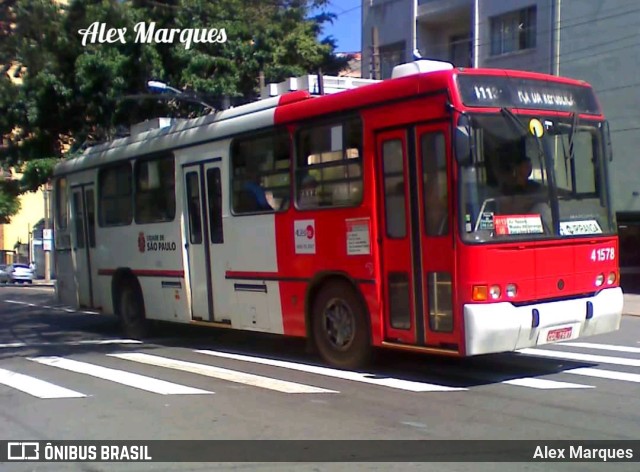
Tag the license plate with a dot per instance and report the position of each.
(559, 334)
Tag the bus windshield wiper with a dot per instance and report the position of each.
(514, 119)
(572, 135)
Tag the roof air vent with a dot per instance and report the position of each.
(419, 67)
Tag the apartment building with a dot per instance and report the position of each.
(592, 40)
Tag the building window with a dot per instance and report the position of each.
(116, 204)
(155, 190)
(260, 173)
(513, 31)
(460, 50)
(329, 168)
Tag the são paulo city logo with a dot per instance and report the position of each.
(155, 242)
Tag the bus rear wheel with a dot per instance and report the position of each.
(131, 311)
(340, 328)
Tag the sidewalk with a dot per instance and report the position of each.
(631, 304)
(42, 282)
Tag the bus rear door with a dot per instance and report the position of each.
(83, 239)
(203, 197)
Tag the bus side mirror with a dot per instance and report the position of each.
(463, 146)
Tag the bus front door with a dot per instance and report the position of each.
(203, 200)
(83, 240)
(416, 237)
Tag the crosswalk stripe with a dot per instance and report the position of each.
(604, 374)
(36, 387)
(73, 343)
(604, 347)
(368, 378)
(224, 374)
(576, 356)
(119, 376)
(544, 384)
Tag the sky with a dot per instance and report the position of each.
(346, 28)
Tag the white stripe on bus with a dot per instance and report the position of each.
(119, 376)
(576, 356)
(224, 374)
(604, 347)
(368, 378)
(36, 387)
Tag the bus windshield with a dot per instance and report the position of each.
(534, 178)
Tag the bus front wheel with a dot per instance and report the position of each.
(340, 328)
(131, 311)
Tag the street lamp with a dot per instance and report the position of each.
(161, 87)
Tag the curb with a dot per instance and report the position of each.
(32, 285)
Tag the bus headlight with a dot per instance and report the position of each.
(494, 292)
(511, 290)
(611, 278)
(599, 280)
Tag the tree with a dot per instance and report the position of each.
(72, 94)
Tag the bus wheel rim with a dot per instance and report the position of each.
(339, 324)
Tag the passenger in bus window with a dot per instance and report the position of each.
(308, 196)
(253, 196)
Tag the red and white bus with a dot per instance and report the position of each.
(448, 211)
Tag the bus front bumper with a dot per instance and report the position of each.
(503, 327)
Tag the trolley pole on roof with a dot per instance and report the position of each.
(161, 87)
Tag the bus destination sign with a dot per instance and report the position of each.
(493, 91)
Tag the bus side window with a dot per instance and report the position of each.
(260, 173)
(155, 190)
(330, 156)
(114, 195)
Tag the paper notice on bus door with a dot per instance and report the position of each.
(358, 239)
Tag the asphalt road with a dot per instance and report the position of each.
(194, 384)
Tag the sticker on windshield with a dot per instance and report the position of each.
(571, 228)
(536, 128)
(518, 224)
(486, 221)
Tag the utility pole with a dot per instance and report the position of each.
(375, 54)
(46, 246)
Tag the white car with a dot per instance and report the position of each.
(14, 273)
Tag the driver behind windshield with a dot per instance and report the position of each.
(520, 183)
